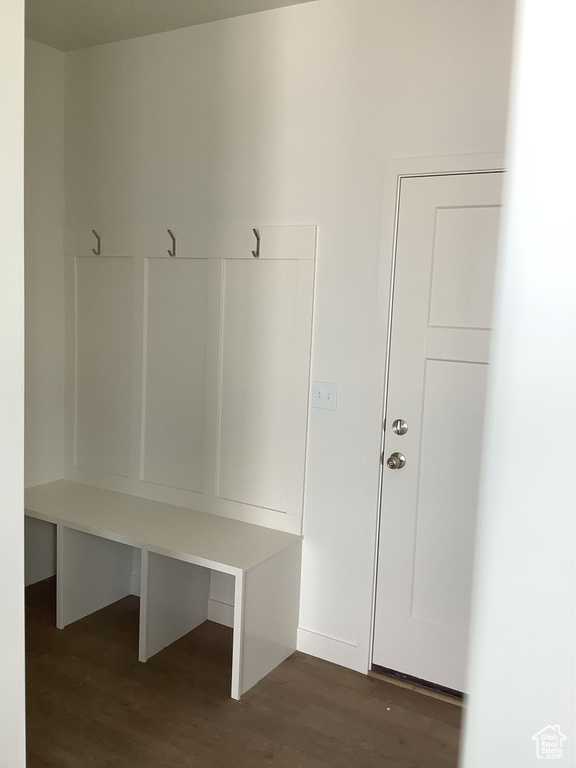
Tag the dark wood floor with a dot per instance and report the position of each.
(91, 703)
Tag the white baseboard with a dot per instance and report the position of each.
(221, 613)
(330, 649)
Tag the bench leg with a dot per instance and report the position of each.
(265, 627)
(39, 550)
(173, 601)
(92, 572)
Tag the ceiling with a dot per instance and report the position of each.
(70, 24)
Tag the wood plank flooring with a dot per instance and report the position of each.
(91, 703)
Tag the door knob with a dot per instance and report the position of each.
(396, 461)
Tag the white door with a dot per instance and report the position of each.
(445, 259)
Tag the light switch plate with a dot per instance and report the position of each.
(324, 395)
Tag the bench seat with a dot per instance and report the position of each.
(97, 530)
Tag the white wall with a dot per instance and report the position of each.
(288, 117)
(522, 670)
(44, 206)
(12, 725)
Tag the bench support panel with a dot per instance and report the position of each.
(269, 621)
(174, 601)
(92, 572)
(39, 550)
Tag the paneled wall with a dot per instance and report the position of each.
(102, 359)
(188, 376)
(174, 372)
(289, 117)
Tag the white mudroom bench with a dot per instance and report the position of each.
(96, 533)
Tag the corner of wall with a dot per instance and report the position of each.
(44, 263)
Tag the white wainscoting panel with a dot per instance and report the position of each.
(102, 375)
(174, 372)
(258, 362)
(188, 377)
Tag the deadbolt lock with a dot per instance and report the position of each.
(396, 461)
(399, 427)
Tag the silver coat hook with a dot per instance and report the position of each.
(256, 253)
(98, 250)
(173, 251)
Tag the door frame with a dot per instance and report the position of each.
(12, 663)
(395, 171)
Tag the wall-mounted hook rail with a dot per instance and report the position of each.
(173, 251)
(98, 250)
(256, 253)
